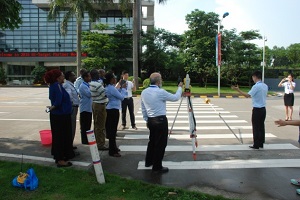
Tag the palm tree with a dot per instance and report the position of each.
(75, 8)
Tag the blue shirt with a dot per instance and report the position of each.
(85, 98)
(154, 101)
(77, 83)
(60, 99)
(69, 86)
(115, 97)
(258, 94)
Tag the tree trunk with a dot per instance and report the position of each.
(136, 36)
(78, 56)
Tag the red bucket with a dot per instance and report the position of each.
(46, 137)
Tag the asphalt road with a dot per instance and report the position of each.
(223, 166)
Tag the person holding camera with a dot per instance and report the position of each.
(128, 101)
(289, 86)
(115, 94)
(153, 104)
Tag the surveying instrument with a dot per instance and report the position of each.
(192, 121)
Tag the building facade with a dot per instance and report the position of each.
(39, 42)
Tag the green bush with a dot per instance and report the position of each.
(2, 76)
(130, 78)
(146, 83)
(38, 72)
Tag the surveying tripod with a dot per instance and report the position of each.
(192, 121)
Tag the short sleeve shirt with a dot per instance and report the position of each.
(258, 94)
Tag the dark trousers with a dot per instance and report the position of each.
(128, 102)
(74, 121)
(111, 126)
(158, 139)
(61, 128)
(258, 126)
(85, 125)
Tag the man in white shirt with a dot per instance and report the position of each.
(79, 79)
(128, 102)
(70, 88)
(153, 103)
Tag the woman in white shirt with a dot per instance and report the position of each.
(289, 86)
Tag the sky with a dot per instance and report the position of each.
(277, 20)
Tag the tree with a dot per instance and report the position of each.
(10, 14)
(279, 54)
(77, 9)
(293, 54)
(106, 50)
(2, 76)
(241, 56)
(160, 48)
(38, 72)
(199, 44)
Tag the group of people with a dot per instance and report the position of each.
(97, 95)
(258, 93)
(100, 96)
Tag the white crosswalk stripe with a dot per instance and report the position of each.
(227, 164)
(202, 121)
(199, 136)
(237, 147)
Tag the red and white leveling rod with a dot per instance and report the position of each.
(95, 156)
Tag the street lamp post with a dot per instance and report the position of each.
(218, 50)
(263, 62)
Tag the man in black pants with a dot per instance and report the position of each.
(258, 93)
(85, 106)
(153, 102)
(128, 102)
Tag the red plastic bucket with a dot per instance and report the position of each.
(46, 137)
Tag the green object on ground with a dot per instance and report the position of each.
(69, 183)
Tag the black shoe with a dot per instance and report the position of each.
(162, 170)
(74, 147)
(253, 147)
(261, 147)
(148, 164)
(103, 148)
(115, 155)
(69, 164)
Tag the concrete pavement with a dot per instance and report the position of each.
(223, 166)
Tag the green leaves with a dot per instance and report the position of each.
(9, 14)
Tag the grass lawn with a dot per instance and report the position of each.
(196, 90)
(70, 183)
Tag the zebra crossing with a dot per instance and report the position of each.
(210, 127)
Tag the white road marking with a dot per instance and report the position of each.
(227, 164)
(195, 112)
(199, 136)
(205, 127)
(236, 147)
(185, 108)
(202, 121)
(43, 159)
(171, 117)
(27, 120)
